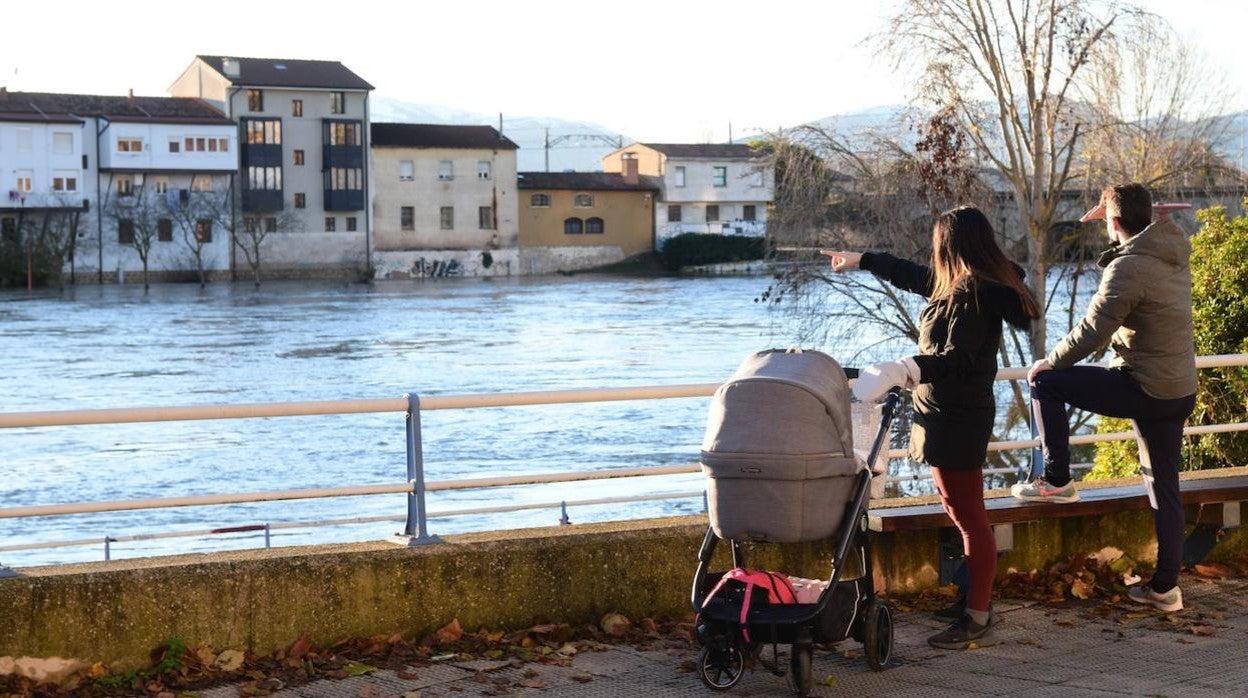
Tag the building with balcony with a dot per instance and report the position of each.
(706, 187)
(302, 167)
(444, 200)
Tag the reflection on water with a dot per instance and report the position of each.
(100, 347)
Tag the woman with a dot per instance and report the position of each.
(971, 289)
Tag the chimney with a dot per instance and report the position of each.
(130, 95)
(629, 169)
(4, 92)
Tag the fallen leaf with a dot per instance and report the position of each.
(1213, 570)
(97, 670)
(229, 660)
(1081, 589)
(1204, 630)
(451, 632)
(407, 675)
(358, 669)
(299, 647)
(829, 680)
(615, 624)
(369, 690)
(584, 677)
(535, 682)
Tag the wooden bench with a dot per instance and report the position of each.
(1197, 488)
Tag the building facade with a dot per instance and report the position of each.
(579, 220)
(302, 162)
(706, 188)
(444, 200)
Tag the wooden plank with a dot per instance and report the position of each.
(1093, 501)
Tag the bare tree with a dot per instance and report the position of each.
(137, 220)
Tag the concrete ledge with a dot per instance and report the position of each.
(262, 600)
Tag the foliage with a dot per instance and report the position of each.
(1115, 459)
(691, 249)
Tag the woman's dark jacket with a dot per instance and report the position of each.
(954, 406)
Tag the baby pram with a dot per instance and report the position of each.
(781, 468)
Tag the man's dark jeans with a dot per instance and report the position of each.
(1159, 430)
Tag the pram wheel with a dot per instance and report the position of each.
(799, 669)
(878, 634)
(721, 667)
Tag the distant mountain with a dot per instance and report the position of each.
(1234, 143)
(575, 145)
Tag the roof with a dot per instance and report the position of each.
(703, 150)
(283, 72)
(439, 136)
(589, 181)
(66, 108)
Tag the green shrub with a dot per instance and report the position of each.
(690, 249)
(1220, 313)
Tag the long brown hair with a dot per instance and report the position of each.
(965, 248)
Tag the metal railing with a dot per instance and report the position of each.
(415, 530)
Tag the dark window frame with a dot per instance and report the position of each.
(573, 226)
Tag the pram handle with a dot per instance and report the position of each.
(850, 373)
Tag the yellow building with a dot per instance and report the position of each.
(577, 220)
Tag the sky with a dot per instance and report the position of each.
(671, 71)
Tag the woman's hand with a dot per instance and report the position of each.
(842, 260)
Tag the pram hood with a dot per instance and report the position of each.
(783, 407)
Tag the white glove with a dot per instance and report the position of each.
(877, 379)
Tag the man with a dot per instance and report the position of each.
(1143, 307)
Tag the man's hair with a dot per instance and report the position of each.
(1131, 204)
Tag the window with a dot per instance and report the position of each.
(331, 224)
(160, 185)
(407, 170)
(249, 225)
(583, 201)
(296, 107)
(344, 179)
(64, 142)
(270, 224)
(203, 231)
(720, 176)
(756, 178)
(748, 212)
(483, 169)
(446, 170)
(301, 200)
(337, 102)
(594, 225)
(223, 145)
(25, 140)
(64, 181)
(539, 200)
(263, 131)
(264, 178)
(351, 222)
(25, 179)
(298, 157)
(680, 175)
(573, 226)
(447, 215)
(343, 133)
(673, 213)
(485, 217)
(127, 145)
(125, 186)
(174, 145)
(255, 100)
(125, 231)
(201, 183)
(164, 230)
(407, 217)
(712, 212)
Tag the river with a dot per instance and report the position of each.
(117, 346)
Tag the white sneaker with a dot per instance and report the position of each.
(1169, 602)
(1039, 490)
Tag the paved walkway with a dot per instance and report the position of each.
(1090, 649)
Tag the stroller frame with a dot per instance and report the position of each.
(725, 653)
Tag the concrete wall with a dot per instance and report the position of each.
(427, 194)
(627, 220)
(416, 264)
(41, 164)
(649, 161)
(200, 80)
(262, 600)
(549, 260)
(156, 139)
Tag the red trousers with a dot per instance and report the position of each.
(962, 495)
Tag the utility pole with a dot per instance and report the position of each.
(548, 149)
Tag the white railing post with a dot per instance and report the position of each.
(1037, 454)
(415, 531)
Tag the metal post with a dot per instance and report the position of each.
(1037, 454)
(563, 516)
(108, 550)
(415, 531)
(267, 532)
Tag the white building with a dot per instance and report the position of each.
(444, 200)
(707, 188)
(302, 159)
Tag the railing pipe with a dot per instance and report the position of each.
(415, 531)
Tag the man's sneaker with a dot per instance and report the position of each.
(963, 632)
(1039, 490)
(1169, 602)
